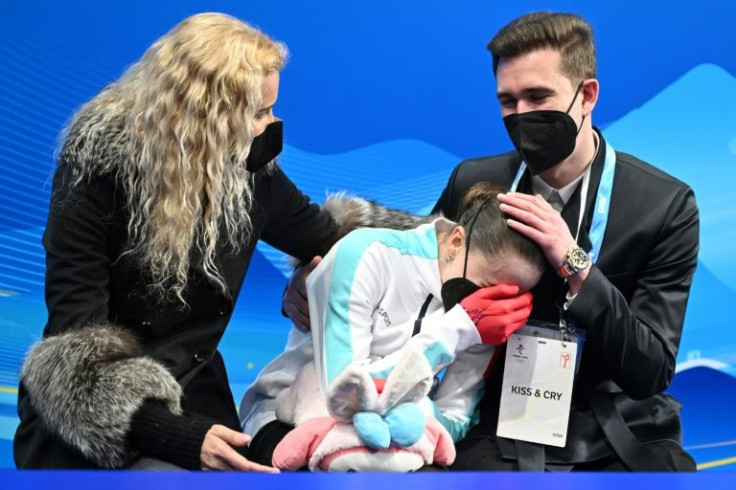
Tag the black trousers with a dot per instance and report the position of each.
(482, 454)
(264, 443)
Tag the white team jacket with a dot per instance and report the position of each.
(364, 298)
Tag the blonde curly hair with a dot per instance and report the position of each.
(176, 130)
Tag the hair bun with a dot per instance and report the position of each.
(479, 193)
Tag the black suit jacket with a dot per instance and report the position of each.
(632, 305)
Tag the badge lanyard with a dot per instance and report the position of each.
(541, 361)
(602, 200)
(600, 211)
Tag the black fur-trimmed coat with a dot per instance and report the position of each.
(108, 346)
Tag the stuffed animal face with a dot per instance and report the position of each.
(364, 424)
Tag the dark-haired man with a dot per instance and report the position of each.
(621, 242)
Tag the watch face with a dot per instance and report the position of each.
(579, 259)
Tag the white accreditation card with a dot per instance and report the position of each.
(537, 386)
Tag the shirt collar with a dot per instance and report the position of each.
(539, 186)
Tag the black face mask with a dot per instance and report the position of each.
(458, 288)
(265, 147)
(543, 138)
(455, 290)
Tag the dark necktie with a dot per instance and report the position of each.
(555, 200)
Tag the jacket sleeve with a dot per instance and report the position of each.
(636, 343)
(76, 243)
(87, 378)
(295, 225)
(455, 403)
(441, 337)
(343, 292)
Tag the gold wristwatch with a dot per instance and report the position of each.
(577, 260)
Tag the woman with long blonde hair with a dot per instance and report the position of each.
(165, 182)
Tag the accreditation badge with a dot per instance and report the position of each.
(537, 385)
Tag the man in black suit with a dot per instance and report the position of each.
(621, 241)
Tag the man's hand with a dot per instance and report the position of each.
(295, 297)
(218, 454)
(533, 217)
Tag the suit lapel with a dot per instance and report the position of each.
(525, 183)
(571, 212)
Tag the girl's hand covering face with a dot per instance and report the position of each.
(498, 311)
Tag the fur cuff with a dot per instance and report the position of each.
(87, 384)
(352, 213)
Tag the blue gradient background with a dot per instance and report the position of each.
(383, 99)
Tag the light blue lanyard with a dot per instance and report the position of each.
(602, 201)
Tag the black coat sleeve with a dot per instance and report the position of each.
(174, 438)
(81, 242)
(295, 225)
(76, 244)
(636, 343)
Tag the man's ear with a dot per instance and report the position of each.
(590, 95)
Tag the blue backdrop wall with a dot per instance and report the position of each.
(383, 98)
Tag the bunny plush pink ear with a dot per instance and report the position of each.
(352, 391)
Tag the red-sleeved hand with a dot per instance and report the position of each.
(498, 311)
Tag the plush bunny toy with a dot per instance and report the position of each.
(366, 424)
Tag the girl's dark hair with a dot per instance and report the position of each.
(486, 228)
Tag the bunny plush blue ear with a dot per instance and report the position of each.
(353, 398)
(394, 416)
(406, 386)
(373, 430)
(405, 423)
(402, 426)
